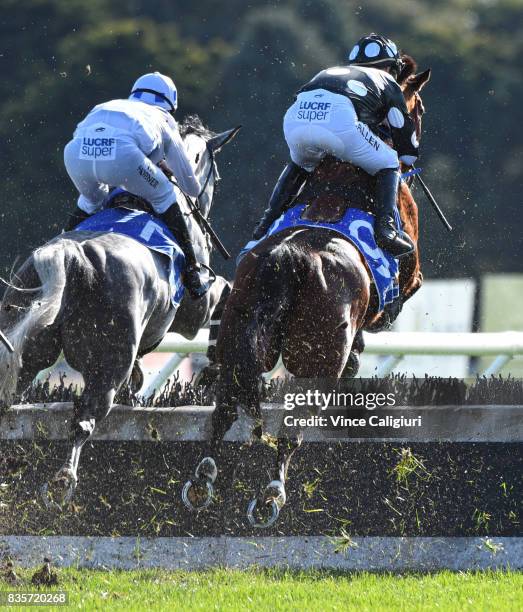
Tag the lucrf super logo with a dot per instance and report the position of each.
(310, 110)
(97, 148)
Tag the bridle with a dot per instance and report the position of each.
(195, 205)
(211, 171)
(416, 113)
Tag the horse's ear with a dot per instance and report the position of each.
(418, 81)
(409, 68)
(220, 140)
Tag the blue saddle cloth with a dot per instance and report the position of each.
(358, 227)
(149, 231)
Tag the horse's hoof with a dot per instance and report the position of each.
(197, 494)
(207, 470)
(59, 492)
(275, 491)
(274, 498)
(264, 522)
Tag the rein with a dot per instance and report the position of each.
(209, 174)
(194, 207)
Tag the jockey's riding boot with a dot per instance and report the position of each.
(388, 236)
(75, 219)
(174, 218)
(285, 190)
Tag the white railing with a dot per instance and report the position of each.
(502, 345)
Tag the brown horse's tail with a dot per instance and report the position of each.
(283, 271)
(255, 330)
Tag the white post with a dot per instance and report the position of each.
(154, 384)
(498, 363)
(387, 365)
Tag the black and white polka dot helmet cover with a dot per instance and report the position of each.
(375, 50)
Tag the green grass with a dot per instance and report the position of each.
(286, 590)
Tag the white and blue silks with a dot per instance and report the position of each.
(358, 227)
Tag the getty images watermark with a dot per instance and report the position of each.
(331, 402)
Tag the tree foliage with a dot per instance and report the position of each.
(240, 62)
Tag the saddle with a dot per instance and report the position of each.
(334, 186)
(125, 199)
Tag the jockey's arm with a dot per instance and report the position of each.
(402, 127)
(179, 164)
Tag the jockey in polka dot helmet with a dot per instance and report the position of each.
(338, 113)
(376, 52)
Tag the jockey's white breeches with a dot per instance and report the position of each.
(95, 163)
(321, 123)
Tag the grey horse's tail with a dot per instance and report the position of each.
(56, 264)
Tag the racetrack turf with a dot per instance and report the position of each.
(283, 590)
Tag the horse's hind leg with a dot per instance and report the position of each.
(238, 384)
(103, 378)
(314, 347)
(37, 354)
(92, 406)
(198, 492)
(353, 362)
(264, 514)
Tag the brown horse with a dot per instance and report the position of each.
(305, 294)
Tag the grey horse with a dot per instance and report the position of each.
(104, 300)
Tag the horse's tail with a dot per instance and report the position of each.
(281, 274)
(56, 264)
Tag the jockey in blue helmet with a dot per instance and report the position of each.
(121, 143)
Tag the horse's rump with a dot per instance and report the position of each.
(61, 267)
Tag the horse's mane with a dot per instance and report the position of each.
(409, 68)
(192, 124)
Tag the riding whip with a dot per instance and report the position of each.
(197, 214)
(6, 342)
(431, 199)
(207, 226)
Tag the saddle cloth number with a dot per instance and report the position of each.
(148, 230)
(98, 142)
